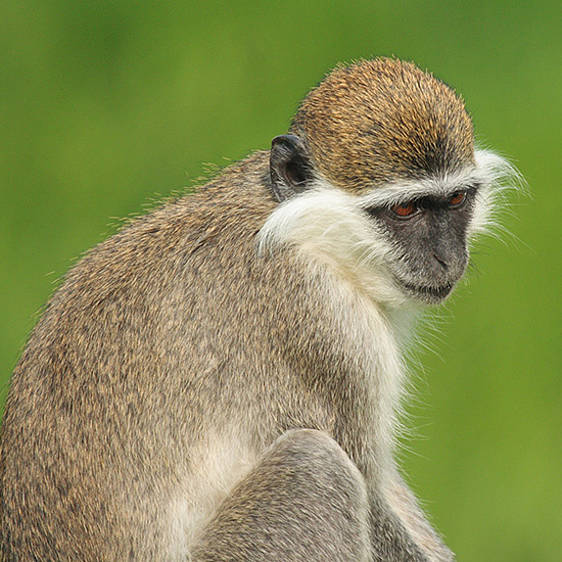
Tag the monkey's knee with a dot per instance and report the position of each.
(316, 464)
(316, 457)
(304, 501)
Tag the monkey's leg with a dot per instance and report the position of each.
(304, 501)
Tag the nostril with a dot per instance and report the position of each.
(441, 262)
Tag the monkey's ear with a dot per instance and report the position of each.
(289, 166)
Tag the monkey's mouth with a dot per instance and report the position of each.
(428, 293)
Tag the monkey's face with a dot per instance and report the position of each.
(427, 236)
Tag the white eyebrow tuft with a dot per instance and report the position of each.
(487, 168)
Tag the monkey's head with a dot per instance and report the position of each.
(379, 167)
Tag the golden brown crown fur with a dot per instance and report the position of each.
(383, 120)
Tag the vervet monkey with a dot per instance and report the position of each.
(220, 380)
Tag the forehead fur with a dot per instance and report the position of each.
(383, 120)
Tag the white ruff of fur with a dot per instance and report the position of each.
(326, 224)
(329, 227)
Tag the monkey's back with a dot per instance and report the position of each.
(115, 380)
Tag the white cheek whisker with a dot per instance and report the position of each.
(499, 179)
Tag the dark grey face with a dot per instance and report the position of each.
(429, 239)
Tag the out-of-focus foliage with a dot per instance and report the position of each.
(106, 106)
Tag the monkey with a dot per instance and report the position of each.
(221, 380)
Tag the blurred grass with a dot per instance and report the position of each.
(106, 105)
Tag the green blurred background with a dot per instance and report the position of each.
(107, 106)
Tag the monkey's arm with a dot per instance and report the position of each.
(390, 538)
(404, 504)
(399, 528)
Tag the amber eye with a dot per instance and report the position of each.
(457, 199)
(406, 210)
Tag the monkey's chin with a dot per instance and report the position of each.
(428, 294)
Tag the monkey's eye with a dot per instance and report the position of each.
(457, 199)
(405, 211)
